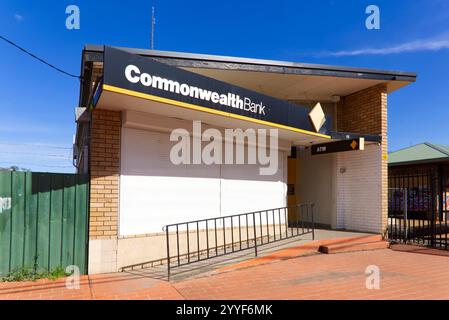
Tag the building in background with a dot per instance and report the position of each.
(132, 99)
(418, 182)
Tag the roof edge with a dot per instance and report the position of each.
(389, 75)
(405, 148)
(421, 161)
(431, 145)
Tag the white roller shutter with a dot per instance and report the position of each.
(154, 192)
(243, 189)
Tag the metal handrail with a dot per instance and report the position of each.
(235, 215)
(282, 225)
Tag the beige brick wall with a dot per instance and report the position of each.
(105, 174)
(359, 192)
(366, 112)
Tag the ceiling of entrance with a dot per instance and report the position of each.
(294, 86)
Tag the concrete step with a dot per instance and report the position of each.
(374, 242)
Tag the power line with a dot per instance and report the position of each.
(60, 156)
(33, 164)
(39, 59)
(35, 145)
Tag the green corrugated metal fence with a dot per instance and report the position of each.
(43, 220)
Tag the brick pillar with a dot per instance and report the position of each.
(104, 193)
(366, 112)
(384, 160)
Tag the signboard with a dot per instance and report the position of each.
(147, 78)
(339, 146)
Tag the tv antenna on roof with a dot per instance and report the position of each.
(153, 22)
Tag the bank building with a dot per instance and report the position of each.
(331, 149)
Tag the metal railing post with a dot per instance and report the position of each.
(268, 228)
(255, 236)
(297, 210)
(313, 222)
(177, 244)
(216, 238)
(240, 233)
(188, 243)
(207, 237)
(224, 235)
(232, 232)
(198, 239)
(406, 214)
(280, 226)
(168, 253)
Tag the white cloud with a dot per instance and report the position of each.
(18, 17)
(413, 46)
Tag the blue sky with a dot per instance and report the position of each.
(37, 103)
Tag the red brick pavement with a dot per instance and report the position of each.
(404, 275)
(106, 286)
(339, 276)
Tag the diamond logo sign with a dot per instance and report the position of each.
(317, 117)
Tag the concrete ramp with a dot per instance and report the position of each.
(364, 243)
(352, 243)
